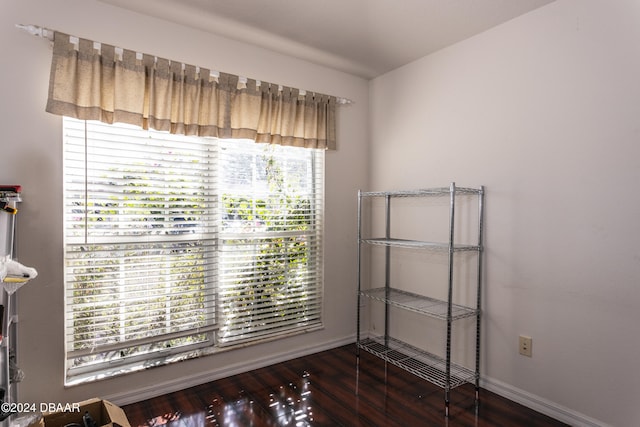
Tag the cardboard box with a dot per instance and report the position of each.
(103, 412)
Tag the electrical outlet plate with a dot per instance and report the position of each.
(525, 345)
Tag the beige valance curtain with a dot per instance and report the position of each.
(93, 81)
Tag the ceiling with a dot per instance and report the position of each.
(362, 37)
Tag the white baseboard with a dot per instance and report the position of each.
(137, 395)
(539, 404)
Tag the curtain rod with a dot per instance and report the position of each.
(47, 33)
(37, 31)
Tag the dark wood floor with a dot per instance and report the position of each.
(328, 389)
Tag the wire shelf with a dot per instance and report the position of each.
(439, 191)
(417, 244)
(425, 365)
(10, 193)
(419, 303)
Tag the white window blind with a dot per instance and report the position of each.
(175, 245)
(270, 241)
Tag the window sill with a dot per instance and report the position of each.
(103, 374)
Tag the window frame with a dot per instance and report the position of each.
(212, 341)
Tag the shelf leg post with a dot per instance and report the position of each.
(359, 261)
(446, 405)
(387, 279)
(452, 204)
(479, 288)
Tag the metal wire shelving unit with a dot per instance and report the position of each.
(440, 371)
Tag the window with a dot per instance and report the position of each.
(180, 246)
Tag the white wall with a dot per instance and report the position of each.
(30, 155)
(545, 112)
